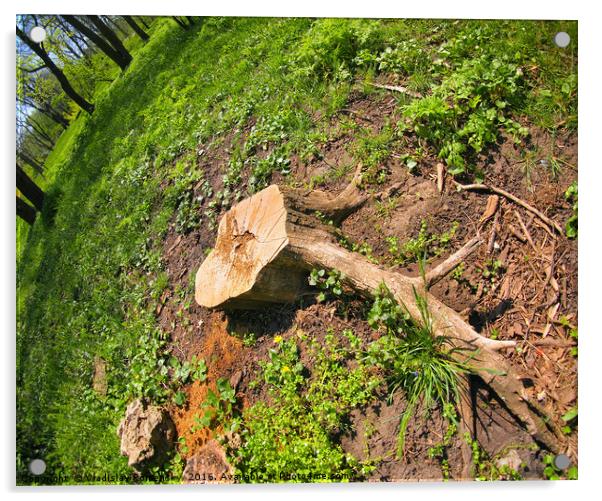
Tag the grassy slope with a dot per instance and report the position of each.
(87, 282)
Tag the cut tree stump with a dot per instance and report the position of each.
(267, 244)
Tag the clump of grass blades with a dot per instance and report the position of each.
(415, 359)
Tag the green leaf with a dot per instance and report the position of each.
(570, 415)
(180, 398)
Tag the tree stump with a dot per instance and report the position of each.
(267, 244)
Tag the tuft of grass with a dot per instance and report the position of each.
(416, 360)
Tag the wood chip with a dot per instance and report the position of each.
(490, 210)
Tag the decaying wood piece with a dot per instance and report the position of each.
(397, 88)
(267, 244)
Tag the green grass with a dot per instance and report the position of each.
(90, 269)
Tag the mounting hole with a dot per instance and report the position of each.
(37, 467)
(37, 34)
(562, 39)
(562, 461)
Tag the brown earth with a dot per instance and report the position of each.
(536, 287)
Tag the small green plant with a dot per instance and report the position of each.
(329, 283)
(195, 370)
(180, 398)
(217, 407)
(249, 339)
(491, 272)
(426, 245)
(415, 359)
(571, 196)
(373, 150)
(385, 208)
(485, 468)
(439, 451)
(458, 276)
(570, 420)
(364, 248)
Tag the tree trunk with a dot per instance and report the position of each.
(28, 160)
(111, 37)
(102, 44)
(180, 22)
(39, 129)
(139, 31)
(25, 211)
(29, 189)
(267, 244)
(144, 23)
(56, 71)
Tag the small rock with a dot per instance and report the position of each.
(235, 379)
(208, 466)
(147, 435)
(512, 460)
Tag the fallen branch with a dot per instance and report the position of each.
(442, 269)
(516, 200)
(493, 234)
(397, 88)
(525, 230)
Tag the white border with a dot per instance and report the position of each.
(590, 246)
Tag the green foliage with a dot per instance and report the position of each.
(415, 359)
(570, 420)
(373, 150)
(492, 270)
(467, 110)
(329, 283)
(263, 168)
(571, 196)
(363, 248)
(405, 58)
(425, 246)
(183, 373)
(218, 407)
(552, 472)
(290, 439)
(330, 47)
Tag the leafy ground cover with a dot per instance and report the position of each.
(205, 117)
